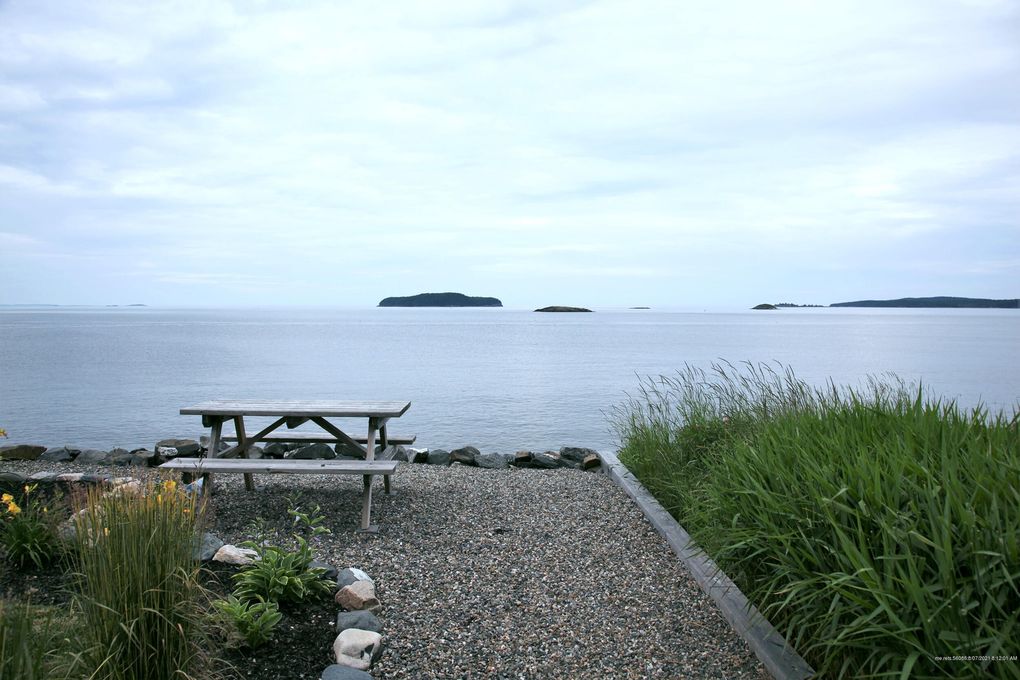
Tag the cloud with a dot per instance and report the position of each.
(649, 143)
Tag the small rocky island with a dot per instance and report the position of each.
(764, 305)
(440, 300)
(560, 308)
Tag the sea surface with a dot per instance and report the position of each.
(498, 379)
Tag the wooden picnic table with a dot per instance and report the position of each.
(292, 414)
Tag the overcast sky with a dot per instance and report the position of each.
(603, 153)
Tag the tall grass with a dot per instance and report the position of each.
(142, 606)
(23, 648)
(878, 529)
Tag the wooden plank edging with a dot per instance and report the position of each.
(779, 658)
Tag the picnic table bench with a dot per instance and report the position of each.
(293, 414)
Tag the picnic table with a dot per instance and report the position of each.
(293, 414)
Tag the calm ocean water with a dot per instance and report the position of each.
(498, 379)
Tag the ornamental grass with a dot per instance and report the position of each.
(877, 529)
(142, 607)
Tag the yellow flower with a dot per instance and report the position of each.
(13, 508)
(7, 498)
(106, 531)
(169, 486)
(3, 432)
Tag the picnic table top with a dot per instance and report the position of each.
(260, 407)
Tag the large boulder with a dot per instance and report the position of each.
(181, 447)
(21, 451)
(576, 453)
(93, 457)
(362, 620)
(438, 457)
(494, 461)
(465, 455)
(11, 481)
(59, 454)
(546, 459)
(313, 452)
(357, 648)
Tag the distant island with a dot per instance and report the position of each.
(440, 300)
(786, 305)
(940, 301)
(560, 308)
(764, 305)
(639, 308)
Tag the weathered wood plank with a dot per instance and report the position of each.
(320, 438)
(338, 409)
(290, 466)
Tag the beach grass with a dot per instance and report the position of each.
(875, 527)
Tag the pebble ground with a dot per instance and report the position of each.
(506, 574)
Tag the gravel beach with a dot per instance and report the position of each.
(504, 574)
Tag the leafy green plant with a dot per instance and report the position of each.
(281, 575)
(874, 527)
(142, 606)
(254, 621)
(309, 522)
(28, 532)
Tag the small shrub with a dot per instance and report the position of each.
(137, 585)
(281, 575)
(254, 621)
(27, 529)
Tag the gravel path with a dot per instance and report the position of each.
(507, 574)
(512, 574)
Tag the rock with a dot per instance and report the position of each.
(145, 458)
(96, 478)
(494, 461)
(255, 452)
(93, 457)
(207, 547)
(59, 454)
(21, 452)
(546, 459)
(352, 575)
(70, 477)
(120, 457)
(363, 620)
(231, 554)
(183, 447)
(343, 449)
(359, 595)
(338, 672)
(11, 481)
(312, 452)
(400, 454)
(438, 457)
(357, 648)
(418, 455)
(464, 455)
(575, 453)
(43, 477)
(522, 458)
(591, 462)
(205, 440)
(277, 449)
(330, 572)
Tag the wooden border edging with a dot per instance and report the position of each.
(781, 660)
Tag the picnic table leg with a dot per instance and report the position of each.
(384, 443)
(214, 447)
(242, 441)
(366, 497)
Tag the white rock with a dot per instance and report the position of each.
(357, 648)
(231, 554)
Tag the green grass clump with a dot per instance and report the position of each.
(23, 649)
(143, 610)
(877, 529)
